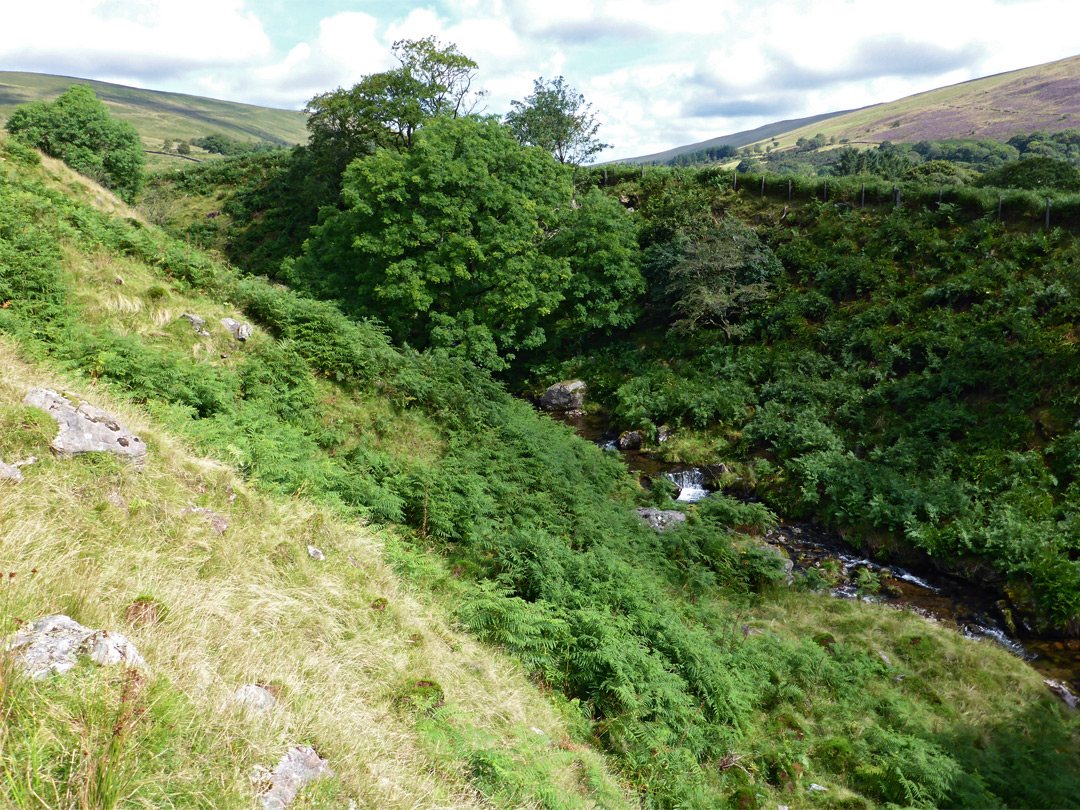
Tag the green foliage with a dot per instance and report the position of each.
(557, 119)
(78, 129)
(450, 244)
(220, 144)
(719, 277)
(1034, 173)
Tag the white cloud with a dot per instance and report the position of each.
(659, 72)
(130, 38)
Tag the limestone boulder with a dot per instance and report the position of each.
(53, 645)
(240, 331)
(661, 519)
(568, 395)
(277, 789)
(85, 428)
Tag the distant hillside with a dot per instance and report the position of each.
(1045, 97)
(748, 136)
(158, 115)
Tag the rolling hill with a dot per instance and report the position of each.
(1044, 97)
(158, 115)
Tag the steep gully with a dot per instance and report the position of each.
(973, 611)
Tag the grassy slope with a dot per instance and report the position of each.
(1043, 97)
(89, 536)
(341, 675)
(750, 136)
(159, 115)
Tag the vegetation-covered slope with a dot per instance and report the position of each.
(1042, 98)
(159, 116)
(528, 531)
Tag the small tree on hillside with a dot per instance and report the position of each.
(556, 118)
(78, 129)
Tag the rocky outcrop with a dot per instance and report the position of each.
(84, 428)
(10, 473)
(54, 644)
(568, 395)
(1063, 692)
(197, 323)
(253, 698)
(630, 440)
(659, 519)
(278, 788)
(240, 331)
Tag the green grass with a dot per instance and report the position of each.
(486, 512)
(158, 115)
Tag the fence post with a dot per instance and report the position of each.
(1047, 213)
(642, 171)
(762, 185)
(605, 177)
(999, 207)
(735, 180)
(825, 192)
(896, 191)
(862, 199)
(789, 190)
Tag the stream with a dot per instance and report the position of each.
(973, 611)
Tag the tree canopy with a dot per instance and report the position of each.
(467, 241)
(386, 109)
(557, 119)
(78, 129)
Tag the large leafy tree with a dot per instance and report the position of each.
(470, 241)
(78, 129)
(387, 109)
(557, 119)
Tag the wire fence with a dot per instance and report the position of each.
(1015, 206)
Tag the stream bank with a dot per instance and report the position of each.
(847, 573)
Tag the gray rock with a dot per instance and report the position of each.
(197, 323)
(1063, 692)
(84, 428)
(253, 698)
(240, 331)
(218, 523)
(10, 473)
(785, 561)
(664, 433)
(53, 644)
(315, 554)
(660, 519)
(630, 440)
(297, 767)
(567, 395)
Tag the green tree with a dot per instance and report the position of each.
(467, 241)
(387, 109)
(719, 276)
(557, 119)
(78, 129)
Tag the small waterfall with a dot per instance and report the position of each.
(691, 484)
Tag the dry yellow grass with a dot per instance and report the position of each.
(251, 606)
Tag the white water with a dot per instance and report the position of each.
(691, 484)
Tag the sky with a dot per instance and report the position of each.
(657, 74)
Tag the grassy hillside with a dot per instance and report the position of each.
(1044, 97)
(679, 661)
(160, 116)
(342, 642)
(744, 138)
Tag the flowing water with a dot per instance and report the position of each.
(976, 612)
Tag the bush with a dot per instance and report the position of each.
(78, 129)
